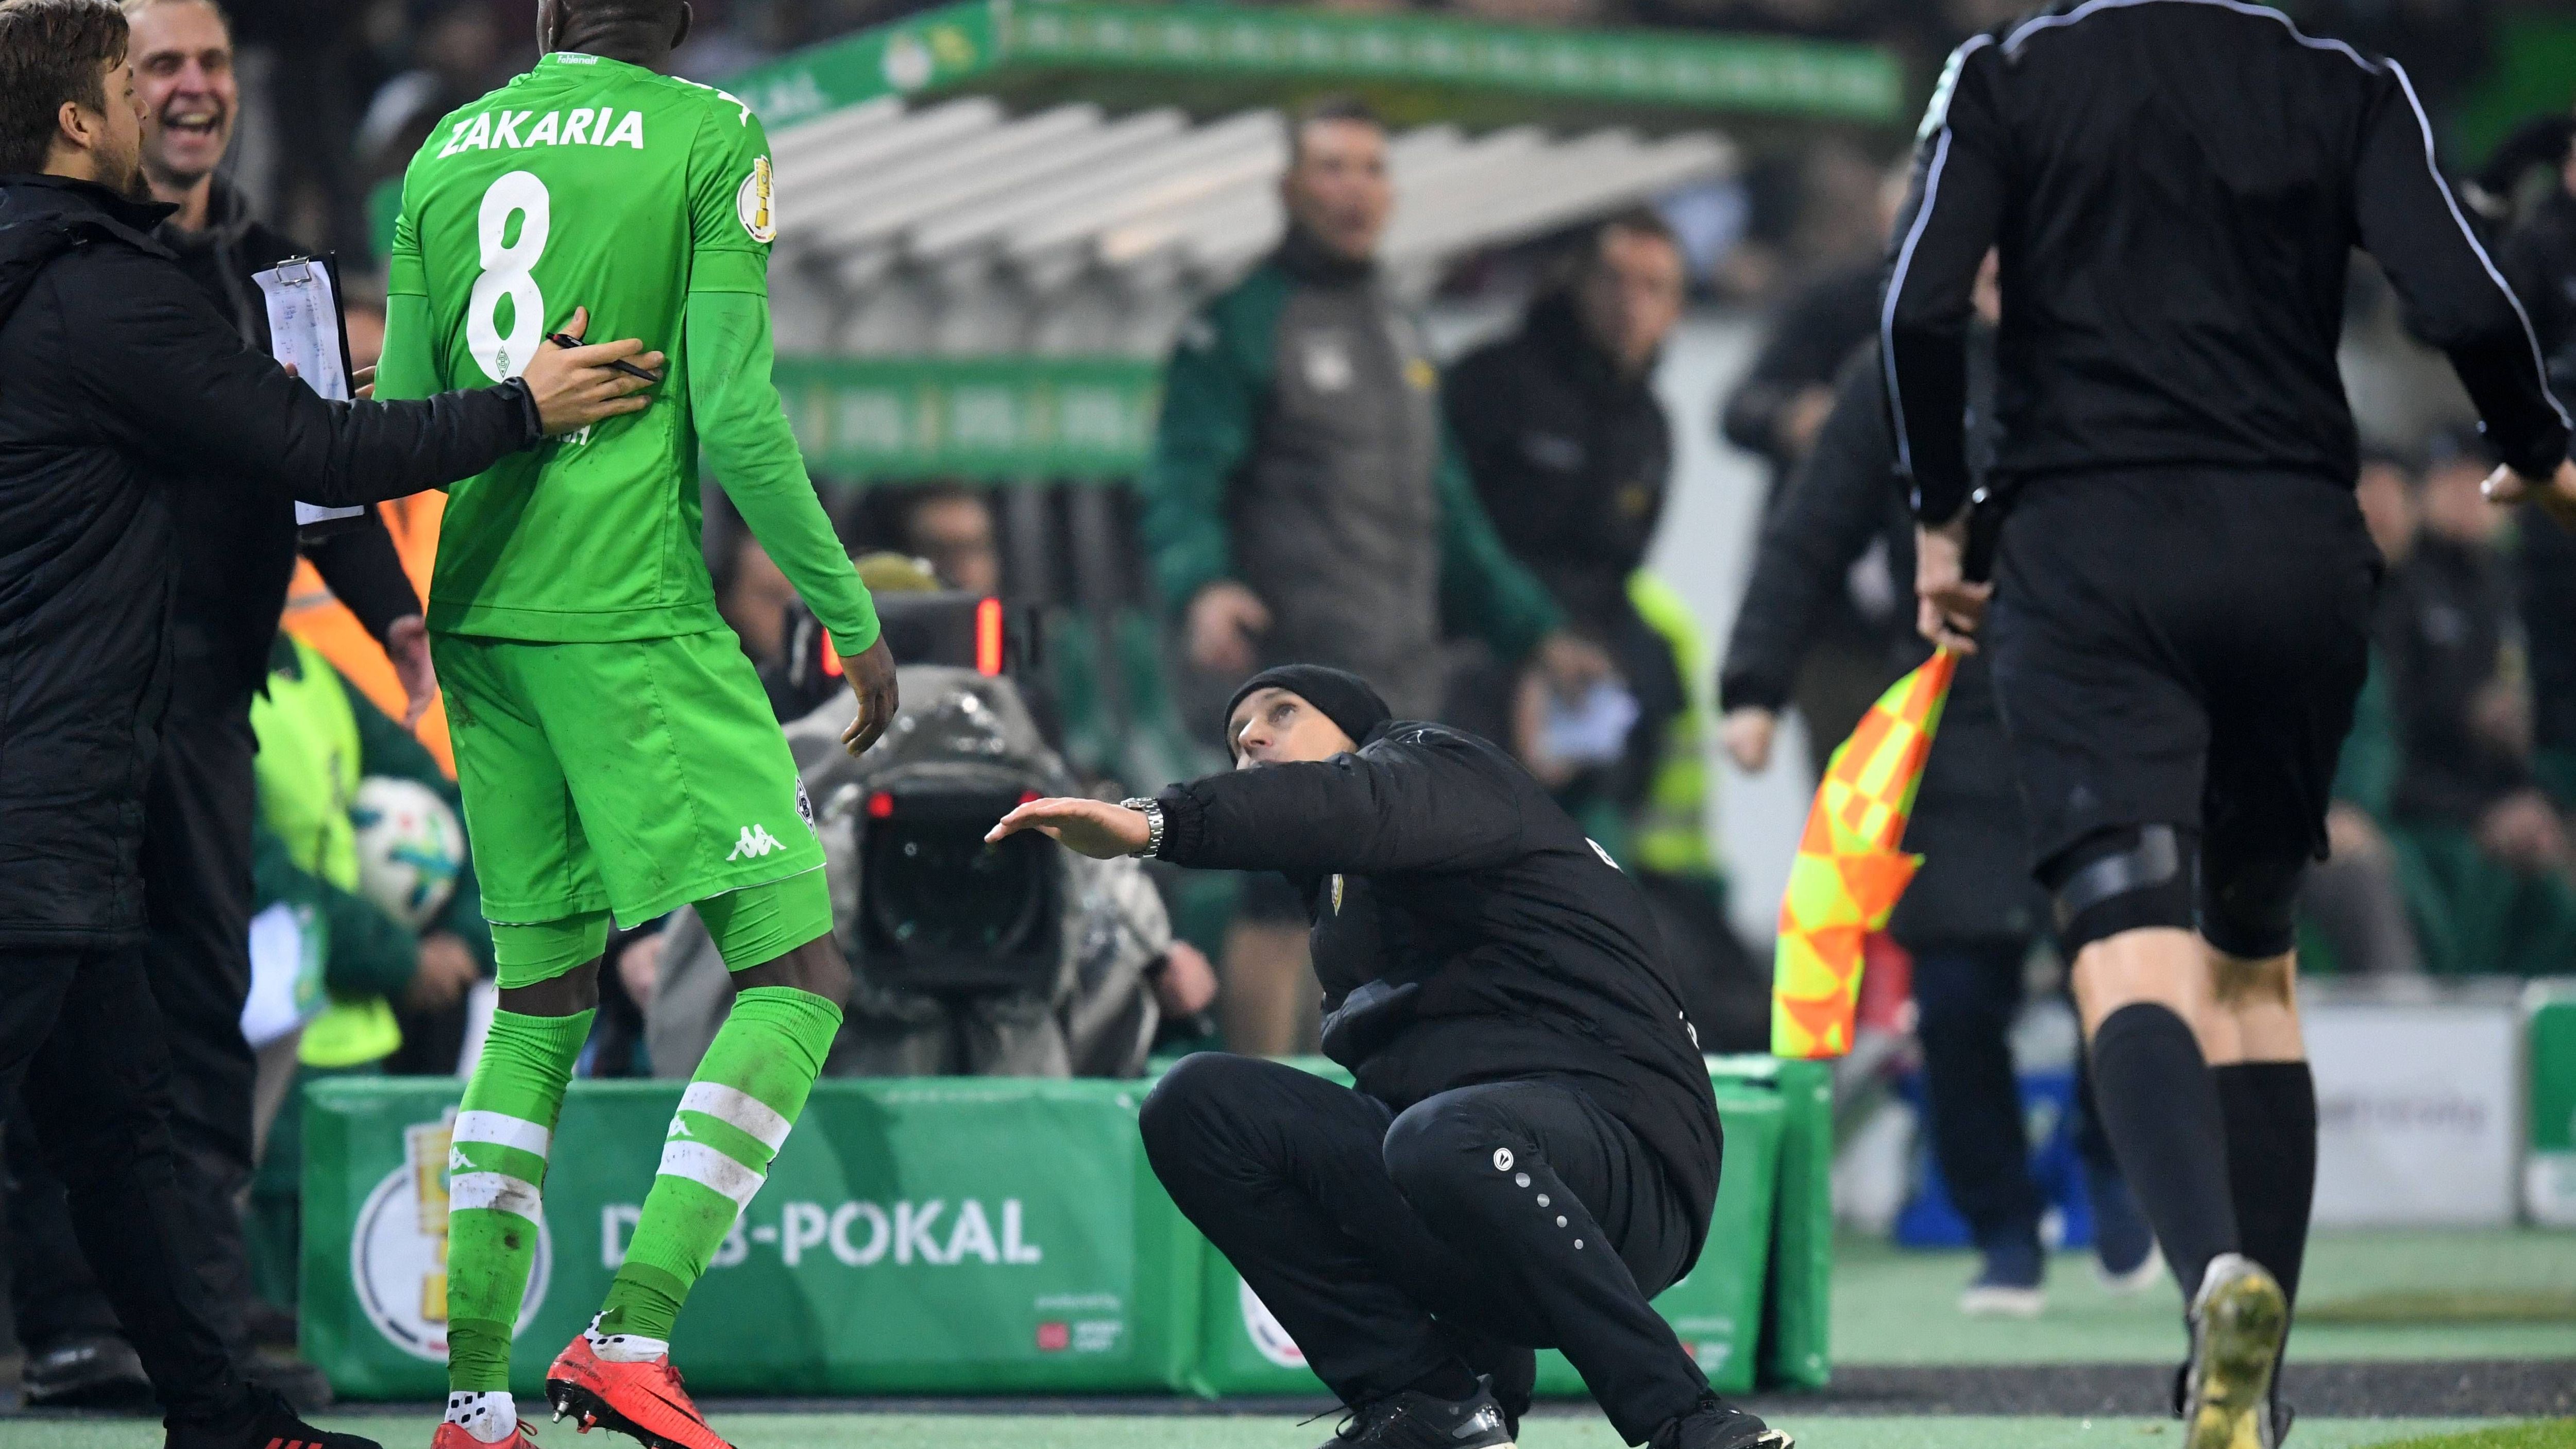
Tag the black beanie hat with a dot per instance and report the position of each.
(1344, 697)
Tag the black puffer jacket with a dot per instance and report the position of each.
(120, 387)
(1467, 931)
(1968, 822)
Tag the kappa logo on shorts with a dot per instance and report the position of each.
(755, 841)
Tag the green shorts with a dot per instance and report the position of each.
(630, 778)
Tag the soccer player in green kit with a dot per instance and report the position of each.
(617, 754)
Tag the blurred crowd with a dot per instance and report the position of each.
(337, 96)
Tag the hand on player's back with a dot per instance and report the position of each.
(578, 386)
(872, 680)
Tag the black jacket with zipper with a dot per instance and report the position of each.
(121, 388)
(236, 562)
(1467, 931)
(2176, 188)
(1968, 824)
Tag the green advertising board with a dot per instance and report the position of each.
(939, 1235)
(2549, 1172)
(989, 419)
(947, 1235)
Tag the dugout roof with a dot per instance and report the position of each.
(1061, 181)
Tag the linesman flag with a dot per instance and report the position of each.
(1849, 872)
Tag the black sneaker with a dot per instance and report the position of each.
(267, 1421)
(2238, 1321)
(86, 1373)
(1411, 1420)
(1716, 1424)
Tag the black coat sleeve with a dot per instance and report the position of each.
(1835, 503)
(1419, 800)
(366, 573)
(1805, 345)
(2455, 297)
(1949, 221)
(171, 373)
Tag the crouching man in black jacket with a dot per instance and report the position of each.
(1532, 1150)
(123, 389)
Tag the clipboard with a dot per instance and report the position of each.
(307, 328)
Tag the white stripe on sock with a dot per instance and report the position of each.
(498, 1191)
(704, 1165)
(501, 1130)
(737, 1108)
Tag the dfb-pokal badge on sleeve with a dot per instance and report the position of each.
(752, 203)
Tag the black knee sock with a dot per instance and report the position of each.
(2160, 1108)
(2271, 1114)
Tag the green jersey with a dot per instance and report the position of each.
(591, 182)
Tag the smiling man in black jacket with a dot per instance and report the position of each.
(125, 388)
(1532, 1149)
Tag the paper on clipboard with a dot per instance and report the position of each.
(304, 329)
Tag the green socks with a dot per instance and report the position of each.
(731, 1122)
(497, 1170)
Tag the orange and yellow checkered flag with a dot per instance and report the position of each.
(1849, 872)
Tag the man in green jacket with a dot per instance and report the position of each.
(1303, 501)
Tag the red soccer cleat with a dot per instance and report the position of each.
(454, 1436)
(644, 1400)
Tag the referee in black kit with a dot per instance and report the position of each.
(2178, 619)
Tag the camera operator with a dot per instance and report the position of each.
(126, 391)
(966, 959)
(233, 567)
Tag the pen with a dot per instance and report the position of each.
(630, 369)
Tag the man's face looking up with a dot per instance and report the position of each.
(1278, 727)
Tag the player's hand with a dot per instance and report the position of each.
(1224, 618)
(1094, 828)
(1746, 732)
(2556, 494)
(872, 680)
(575, 386)
(407, 646)
(1948, 608)
(364, 379)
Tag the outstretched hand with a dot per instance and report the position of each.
(1094, 828)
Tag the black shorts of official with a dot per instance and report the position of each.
(2183, 647)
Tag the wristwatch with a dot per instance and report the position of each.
(1152, 810)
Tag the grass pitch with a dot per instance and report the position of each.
(977, 1431)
